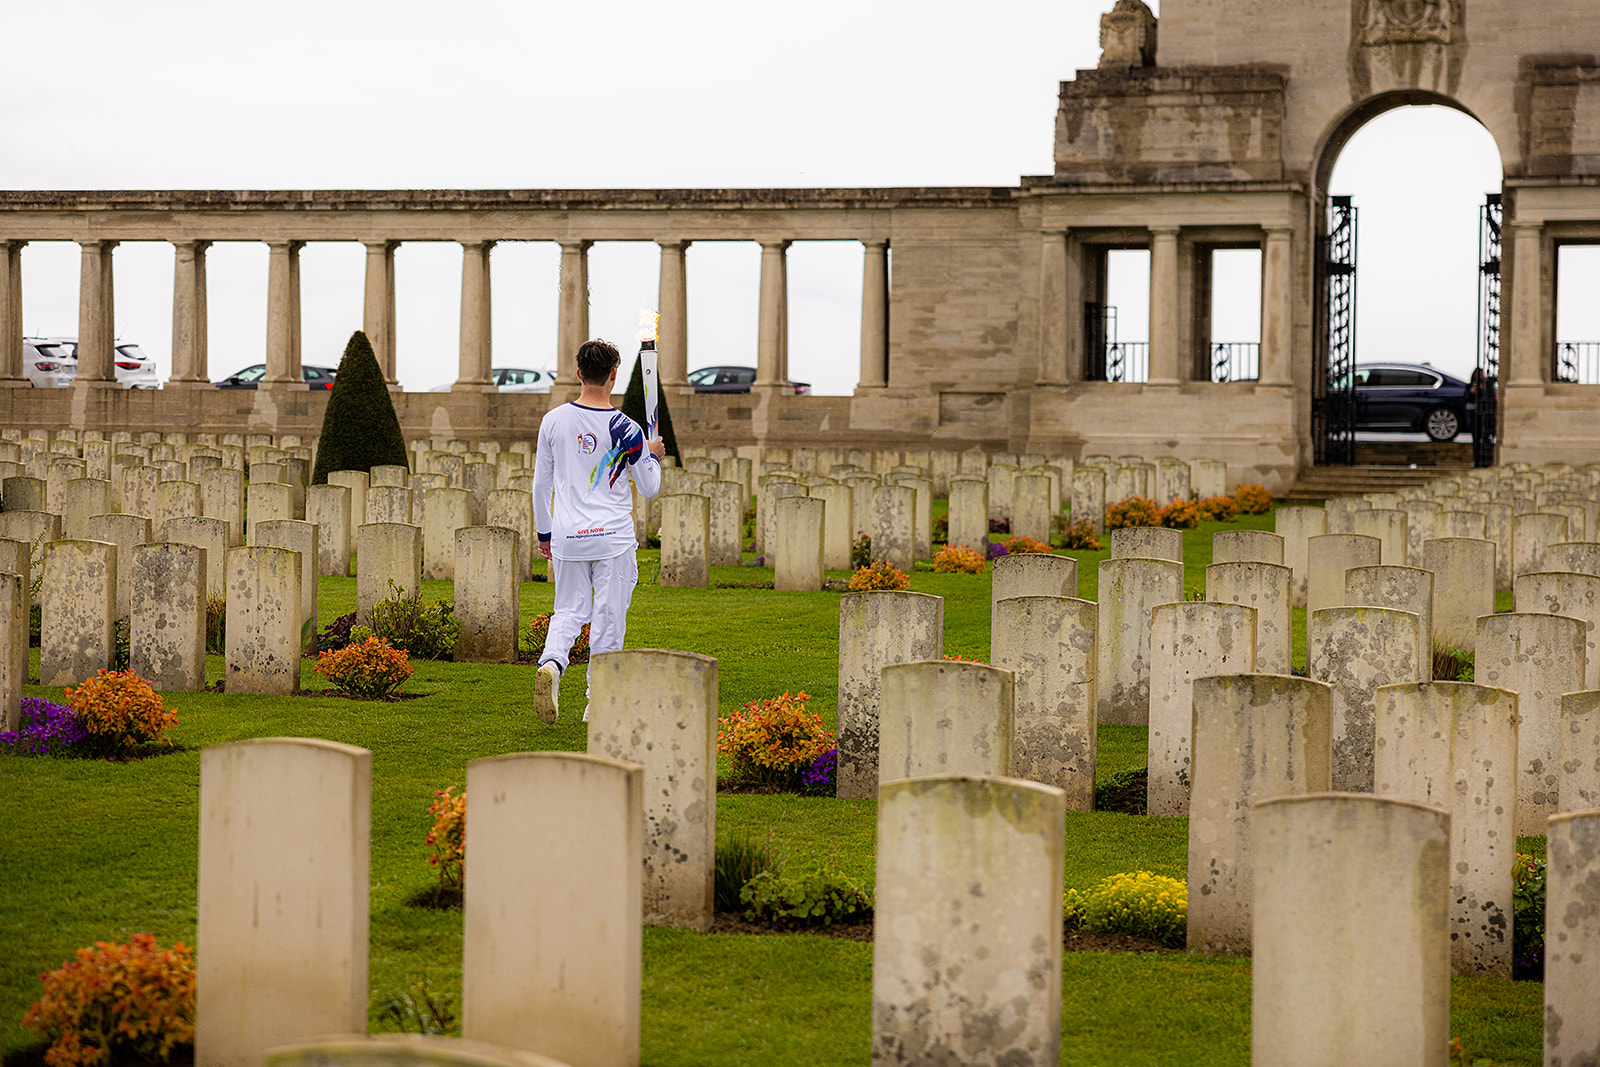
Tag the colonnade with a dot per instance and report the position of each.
(189, 323)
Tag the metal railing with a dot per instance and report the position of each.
(1127, 361)
(1235, 361)
(1578, 361)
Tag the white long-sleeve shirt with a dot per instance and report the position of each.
(586, 456)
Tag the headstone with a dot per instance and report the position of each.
(1355, 650)
(1089, 498)
(1537, 657)
(944, 717)
(1572, 940)
(922, 516)
(1147, 542)
(1579, 786)
(1030, 507)
(1208, 477)
(1172, 480)
(1246, 546)
(658, 709)
(862, 486)
(1530, 536)
(894, 530)
(798, 548)
(388, 552)
(1463, 587)
(1188, 640)
(328, 509)
(479, 482)
(267, 502)
(358, 482)
(685, 540)
(124, 531)
(176, 500)
(393, 474)
(1047, 642)
(222, 497)
(1342, 513)
(304, 538)
(513, 510)
(569, 989)
(285, 841)
(486, 591)
(966, 959)
(263, 621)
(1331, 555)
(1388, 525)
(14, 626)
(1031, 574)
(21, 493)
(167, 628)
(1422, 524)
(61, 472)
(1446, 744)
(1499, 518)
(1404, 588)
(1297, 526)
(1264, 587)
(1000, 475)
(725, 522)
(448, 510)
(78, 603)
(1576, 596)
(773, 489)
(211, 535)
(836, 528)
(1464, 524)
(876, 629)
(388, 503)
(1256, 736)
(1343, 971)
(968, 516)
(1129, 590)
(1579, 557)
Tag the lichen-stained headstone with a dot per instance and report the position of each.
(876, 628)
(1572, 940)
(1356, 650)
(1129, 590)
(1047, 642)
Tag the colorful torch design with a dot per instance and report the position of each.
(648, 367)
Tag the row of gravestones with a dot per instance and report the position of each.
(968, 931)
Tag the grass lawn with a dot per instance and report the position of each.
(94, 851)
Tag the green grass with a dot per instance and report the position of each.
(94, 851)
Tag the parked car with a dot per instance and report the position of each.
(48, 363)
(515, 380)
(732, 380)
(250, 377)
(135, 370)
(1410, 396)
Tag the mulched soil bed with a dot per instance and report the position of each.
(1084, 941)
(732, 923)
(392, 698)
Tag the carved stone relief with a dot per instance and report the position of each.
(1406, 44)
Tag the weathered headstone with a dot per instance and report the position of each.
(388, 552)
(1572, 940)
(1256, 736)
(1030, 574)
(685, 540)
(1404, 588)
(876, 629)
(658, 709)
(1576, 596)
(167, 627)
(1247, 546)
(14, 627)
(1579, 557)
(285, 841)
(966, 960)
(328, 509)
(1355, 650)
(1389, 526)
(1030, 507)
(448, 510)
(263, 621)
(85, 498)
(1147, 542)
(388, 503)
(893, 531)
(1129, 590)
(1089, 498)
(1530, 536)
(222, 497)
(1297, 526)
(302, 537)
(1047, 642)
(1331, 555)
(944, 717)
(1342, 513)
(1188, 640)
(210, 535)
(267, 502)
(1264, 587)
(1343, 972)
(1579, 787)
(359, 483)
(836, 530)
(726, 523)
(124, 531)
(1463, 587)
(486, 590)
(968, 517)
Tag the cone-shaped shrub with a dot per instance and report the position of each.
(360, 429)
(633, 407)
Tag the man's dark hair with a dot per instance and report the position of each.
(596, 360)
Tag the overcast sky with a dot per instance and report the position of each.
(710, 93)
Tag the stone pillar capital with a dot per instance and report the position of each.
(189, 248)
(478, 245)
(1053, 233)
(284, 247)
(1281, 233)
(579, 246)
(98, 245)
(875, 244)
(1526, 226)
(674, 244)
(776, 246)
(12, 244)
(1164, 230)
(380, 248)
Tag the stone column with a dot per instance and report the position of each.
(476, 347)
(1572, 940)
(658, 709)
(876, 629)
(285, 857)
(1164, 310)
(1445, 744)
(1188, 640)
(875, 316)
(1277, 308)
(966, 962)
(569, 989)
(96, 314)
(377, 313)
(283, 314)
(11, 369)
(770, 343)
(1528, 356)
(1055, 308)
(1341, 974)
(1256, 736)
(572, 315)
(941, 717)
(672, 331)
(189, 361)
(1047, 642)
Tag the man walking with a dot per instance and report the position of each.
(587, 452)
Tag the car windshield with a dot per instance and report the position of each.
(703, 376)
(252, 374)
(52, 351)
(132, 352)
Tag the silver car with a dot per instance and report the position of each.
(134, 369)
(49, 363)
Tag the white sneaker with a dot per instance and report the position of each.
(547, 692)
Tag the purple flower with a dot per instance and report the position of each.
(46, 728)
(820, 774)
(996, 549)
(761, 561)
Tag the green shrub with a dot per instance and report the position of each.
(820, 898)
(359, 429)
(427, 631)
(1527, 917)
(740, 859)
(217, 625)
(420, 1009)
(1452, 664)
(1140, 903)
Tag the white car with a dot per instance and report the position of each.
(48, 363)
(515, 380)
(133, 368)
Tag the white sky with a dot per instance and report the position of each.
(711, 93)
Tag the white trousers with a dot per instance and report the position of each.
(594, 591)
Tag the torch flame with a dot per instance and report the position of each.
(649, 321)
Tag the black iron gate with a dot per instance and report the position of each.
(1485, 380)
(1333, 410)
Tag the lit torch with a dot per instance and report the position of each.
(647, 364)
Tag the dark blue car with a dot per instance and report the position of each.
(1411, 396)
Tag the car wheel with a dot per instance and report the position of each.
(1442, 424)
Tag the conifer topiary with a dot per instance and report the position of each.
(360, 429)
(633, 407)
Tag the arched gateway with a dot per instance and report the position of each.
(989, 329)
